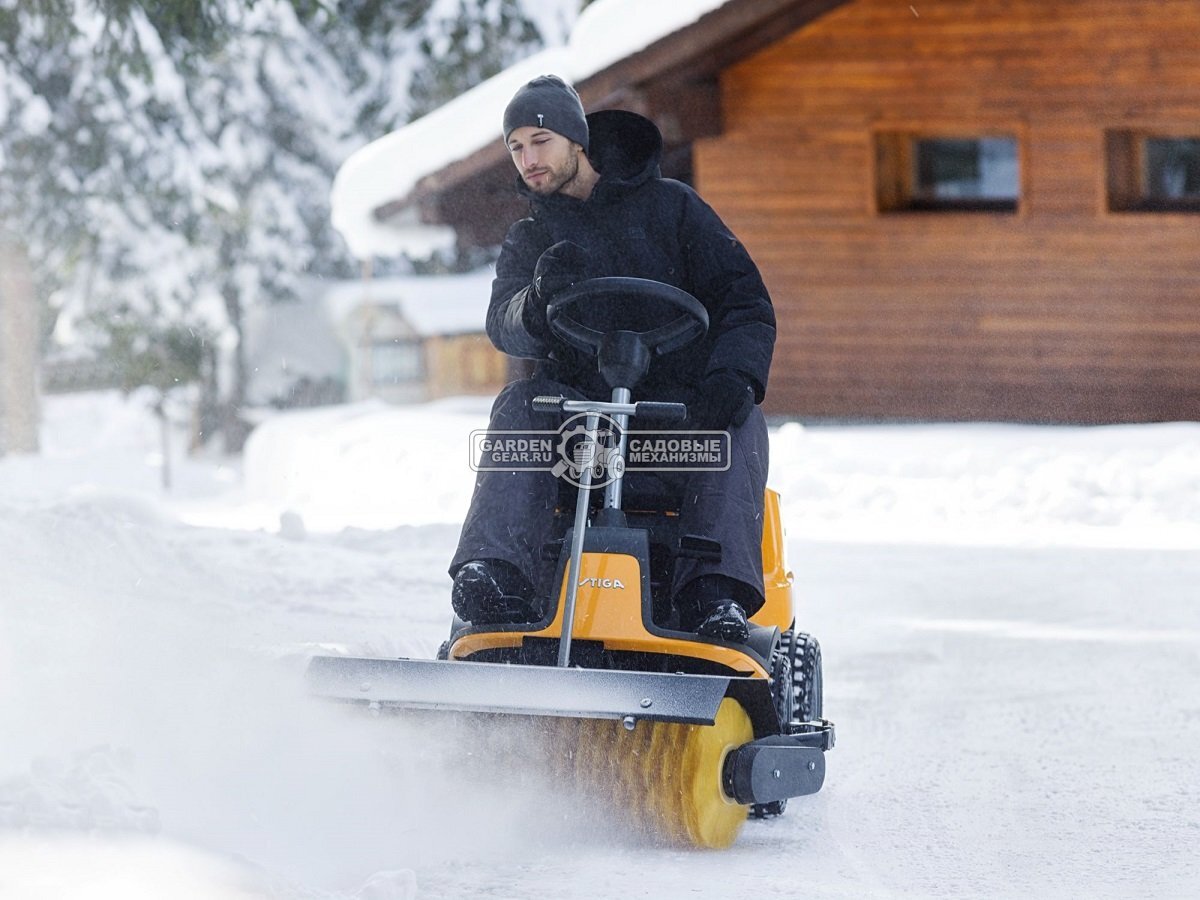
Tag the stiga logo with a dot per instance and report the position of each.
(609, 583)
(604, 452)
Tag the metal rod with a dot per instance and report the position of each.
(612, 494)
(608, 409)
(581, 514)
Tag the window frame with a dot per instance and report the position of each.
(894, 176)
(1125, 170)
(381, 348)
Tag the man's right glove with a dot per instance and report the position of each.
(723, 398)
(560, 266)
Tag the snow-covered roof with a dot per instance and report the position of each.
(431, 304)
(388, 169)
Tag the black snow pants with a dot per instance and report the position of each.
(512, 512)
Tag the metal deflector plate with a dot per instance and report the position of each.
(450, 686)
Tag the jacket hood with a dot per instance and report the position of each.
(624, 147)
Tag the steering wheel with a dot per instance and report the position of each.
(660, 317)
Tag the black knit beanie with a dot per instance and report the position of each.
(548, 102)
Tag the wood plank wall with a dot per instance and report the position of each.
(464, 364)
(1061, 312)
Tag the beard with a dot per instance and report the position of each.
(557, 179)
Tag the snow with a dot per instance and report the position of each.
(389, 168)
(603, 36)
(1008, 613)
(70, 866)
(431, 304)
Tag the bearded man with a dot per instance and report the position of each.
(600, 207)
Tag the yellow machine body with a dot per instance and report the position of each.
(779, 610)
(610, 609)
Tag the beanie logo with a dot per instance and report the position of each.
(540, 117)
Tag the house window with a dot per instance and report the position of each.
(1153, 172)
(396, 361)
(947, 173)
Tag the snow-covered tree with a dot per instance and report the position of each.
(467, 45)
(271, 124)
(169, 161)
(86, 191)
(163, 358)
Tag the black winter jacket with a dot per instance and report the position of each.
(637, 223)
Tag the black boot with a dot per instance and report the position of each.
(706, 607)
(493, 592)
(725, 620)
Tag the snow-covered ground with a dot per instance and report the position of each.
(1010, 618)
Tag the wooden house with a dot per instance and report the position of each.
(416, 338)
(401, 340)
(963, 209)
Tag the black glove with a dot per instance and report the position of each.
(560, 266)
(723, 398)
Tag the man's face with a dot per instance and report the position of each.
(546, 160)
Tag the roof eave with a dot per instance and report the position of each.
(648, 81)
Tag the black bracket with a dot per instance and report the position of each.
(773, 768)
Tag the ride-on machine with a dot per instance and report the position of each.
(690, 734)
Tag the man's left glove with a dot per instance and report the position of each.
(723, 398)
(559, 267)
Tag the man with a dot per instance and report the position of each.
(601, 208)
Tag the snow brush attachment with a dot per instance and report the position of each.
(666, 776)
(677, 754)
